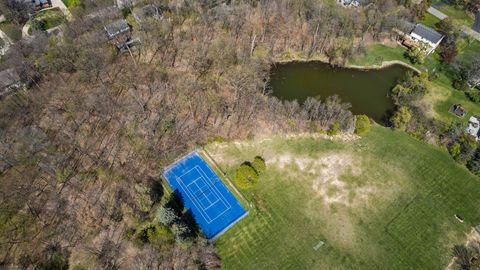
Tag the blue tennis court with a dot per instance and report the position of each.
(203, 193)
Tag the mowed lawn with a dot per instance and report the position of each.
(385, 201)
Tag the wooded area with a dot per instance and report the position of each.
(82, 149)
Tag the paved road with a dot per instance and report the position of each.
(63, 8)
(437, 13)
(469, 31)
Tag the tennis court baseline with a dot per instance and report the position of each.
(213, 206)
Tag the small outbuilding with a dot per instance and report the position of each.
(457, 110)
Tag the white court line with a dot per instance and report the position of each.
(199, 189)
(205, 176)
(212, 204)
(216, 192)
(224, 201)
(194, 200)
(197, 202)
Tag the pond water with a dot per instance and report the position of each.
(366, 90)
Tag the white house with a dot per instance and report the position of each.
(474, 127)
(426, 36)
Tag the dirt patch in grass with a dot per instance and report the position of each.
(329, 176)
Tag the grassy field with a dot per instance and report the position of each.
(429, 20)
(386, 201)
(49, 18)
(459, 16)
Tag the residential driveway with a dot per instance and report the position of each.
(437, 13)
(467, 30)
(25, 33)
(63, 8)
(7, 41)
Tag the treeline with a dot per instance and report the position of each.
(82, 149)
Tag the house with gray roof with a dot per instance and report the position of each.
(476, 25)
(426, 36)
(118, 33)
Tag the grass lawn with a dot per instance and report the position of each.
(386, 201)
(49, 18)
(72, 3)
(377, 53)
(12, 31)
(459, 16)
(429, 20)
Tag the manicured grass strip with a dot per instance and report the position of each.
(459, 16)
(429, 20)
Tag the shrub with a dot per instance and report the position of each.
(415, 55)
(181, 232)
(362, 125)
(246, 176)
(334, 129)
(166, 215)
(259, 165)
(72, 3)
(130, 233)
(473, 95)
(401, 118)
(142, 197)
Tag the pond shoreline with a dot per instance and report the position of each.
(365, 89)
(324, 60)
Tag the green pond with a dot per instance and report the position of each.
(366, 90)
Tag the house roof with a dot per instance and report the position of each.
(117, 27)
(8, 77)
(427, 33)
(476, 25)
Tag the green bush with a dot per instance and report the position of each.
(72, 3)
(154, 234)
(246, 176)
(401, 118)
(130, 233)
(334, 129)
(181, 232)
(473, 95)
(362, 125)
(259, 165)
(455, 150)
